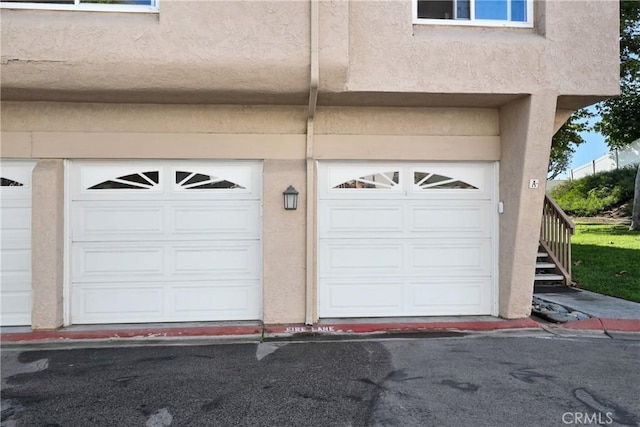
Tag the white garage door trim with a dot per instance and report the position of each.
(15, 220)
(165, 241)
(384, 250)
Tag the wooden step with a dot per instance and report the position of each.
(542, 255)
(545, 265)
(548, 277)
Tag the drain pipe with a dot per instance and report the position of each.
(311, 193)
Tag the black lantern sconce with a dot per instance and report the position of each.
(290, 198)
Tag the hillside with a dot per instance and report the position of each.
(603, 195)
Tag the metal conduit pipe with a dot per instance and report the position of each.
(311, 183)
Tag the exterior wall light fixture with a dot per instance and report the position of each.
(290, 198)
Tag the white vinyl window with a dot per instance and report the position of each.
(505, 13)
(149, 6)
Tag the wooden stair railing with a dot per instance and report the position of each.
(555, 237)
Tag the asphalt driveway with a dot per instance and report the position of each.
(533, 379)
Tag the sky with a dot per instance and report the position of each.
(593, 148)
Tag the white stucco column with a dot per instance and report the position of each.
(47, 239)
(526, 129)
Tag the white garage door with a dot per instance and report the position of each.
(15, 217)
(163, 241)
(406, 239)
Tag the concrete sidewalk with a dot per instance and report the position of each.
(593, 304)
(606, 313)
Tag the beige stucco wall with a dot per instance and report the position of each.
(89, 130)
(274, 134)
(232, 46)
(527, 126)
(284, 244)
(47, 235)
(230, 80)
(145, 118)
(244, 119)
(576, 52)
(247, 52)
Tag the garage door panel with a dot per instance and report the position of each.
(219, 260)
(157, 302)
(219, 219)
(15, 239)
(98, 261)
(366, 217)
(165, 241)
(431, 297)
(443, 258)
(113, 262)
(15, 217)
(135, 221)
(15, 242)
(361, 298)
(125, 303)
(453, 219)
(452, 296)
(230, 298)
(368, 259)
(14, 282)
(16, 260)
(16, 306)
(104, 221)
(423, 245)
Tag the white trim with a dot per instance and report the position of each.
(86, 7)
(260, 173)
(472, 22)
(66, 258)
(495, 237)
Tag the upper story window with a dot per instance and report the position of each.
(505, 13)
(85, 5)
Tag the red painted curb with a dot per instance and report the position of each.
(131, 333)
(402, 327)
(606, 324)
(621, 325)
(290, 329)
(592, 324)
(603, 324)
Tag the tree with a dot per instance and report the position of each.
(565, 141)
(620, 117)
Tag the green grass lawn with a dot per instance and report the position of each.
(606, 259)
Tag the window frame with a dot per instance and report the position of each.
(475, 22)
(83, 7)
